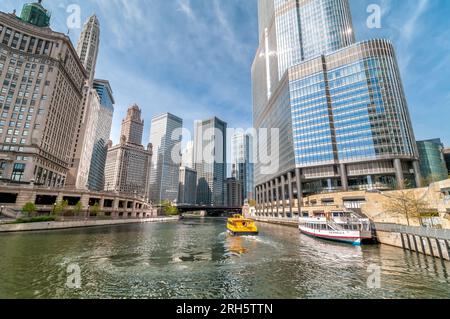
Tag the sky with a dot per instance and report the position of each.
(192, 58)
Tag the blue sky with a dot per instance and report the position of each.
(193, 57)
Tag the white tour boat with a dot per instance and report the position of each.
(339, 226)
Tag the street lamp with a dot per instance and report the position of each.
(1, 209)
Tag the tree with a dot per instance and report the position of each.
(252, 203)
(78, 208)
(60, 207)
(406, 204)
(169, 209)
(29, 209)
(95, 210)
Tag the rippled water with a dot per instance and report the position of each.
(195, 258)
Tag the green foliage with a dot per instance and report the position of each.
(29, 209)
(78, 208)
(60, 207)
(252, 203)
(39, 219)
(169, 209)
(95, 210)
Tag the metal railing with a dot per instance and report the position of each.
(418, 231)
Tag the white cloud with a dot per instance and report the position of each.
(410, 28)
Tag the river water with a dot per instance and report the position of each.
(195, 258)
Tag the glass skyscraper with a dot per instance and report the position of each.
(164, 177)
(96, 178)
(242, 161)
(432, 161)
(210, 161)
(339, 105)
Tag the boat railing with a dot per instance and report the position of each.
(335, 225)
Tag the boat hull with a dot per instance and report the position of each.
(353, 238)
(247, 233)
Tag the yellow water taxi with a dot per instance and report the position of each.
(240, 226)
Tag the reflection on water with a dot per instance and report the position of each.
(196, 258)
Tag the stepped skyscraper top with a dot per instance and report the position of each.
(133, 126)
(88, 45)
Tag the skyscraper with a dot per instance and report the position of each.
(40, 98)
(187, 193)
(210, 161)
(339, 106)
(233, 191)
(187, 155)
(133, 126)
(96, 178)
(127, 168)
(447, 159)
(432, 161)
(83, 141)
(165, 137)
(242, 161)
(88, 45)
(89, 119)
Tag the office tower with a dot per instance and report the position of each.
(133, 126)
(165, 137)
(88, 46)
(96, 178)
(234, 191)
(339, 106)
(127, 168)
(447, 159)
(89, 117)
(187, 193)
(40, 98)
(242, 161)
(432, 161)
(187, 156)
(210, 161)
(83, 142)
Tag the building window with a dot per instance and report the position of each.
(18, 172)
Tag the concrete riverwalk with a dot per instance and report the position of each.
(47, 226)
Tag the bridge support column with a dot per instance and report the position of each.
(261, 199)
(283, 194)
(399, 174)
(277, 196)
(298, 177)
(291, 195)
(272, 209)
(267, 198)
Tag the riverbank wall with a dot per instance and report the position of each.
(291, 222)
(47, 226)
(427, 241)
(421, 240)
